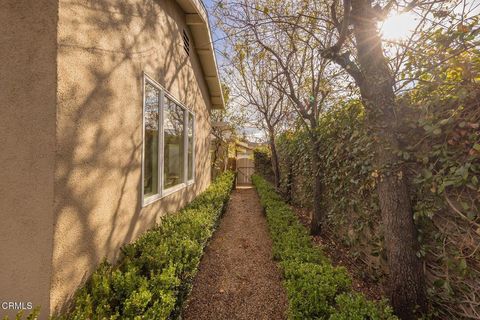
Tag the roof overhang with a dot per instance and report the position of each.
(197, 19)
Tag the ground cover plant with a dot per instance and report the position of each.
(155, 273)
(315, 288)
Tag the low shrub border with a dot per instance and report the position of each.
(25, 315)
(155, 273)
(315, 288)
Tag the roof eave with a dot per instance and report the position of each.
(197, 19)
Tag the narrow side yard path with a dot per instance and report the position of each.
(238, 278)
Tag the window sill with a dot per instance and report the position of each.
(166, 192)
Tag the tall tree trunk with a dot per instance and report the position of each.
(407, 283)
(318, 213)
(275, 165)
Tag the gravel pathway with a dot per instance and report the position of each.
(238, 278)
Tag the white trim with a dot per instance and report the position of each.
(166, 193)
(185, 145)
(154, 197)
(191, 181)
(173, 189)
(151, 199)
(161, 192)
(142, 187)
(162, 140)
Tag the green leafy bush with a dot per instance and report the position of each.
(315, 288)
(354, 306)
(21, 315)
(155, 273)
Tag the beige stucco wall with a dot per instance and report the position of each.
(27, 139)
(104, 47)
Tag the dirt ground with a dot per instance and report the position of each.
(238, 278)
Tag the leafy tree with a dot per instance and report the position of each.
(277, 32)
(226, 122)
(254, 72)
(358, 36)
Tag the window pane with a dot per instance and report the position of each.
(190, 146)
(173, 154)
(150, 170)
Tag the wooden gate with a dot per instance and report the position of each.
(245, 169)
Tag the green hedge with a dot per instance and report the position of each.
(315, 288)
(155, 273)
(26, 315)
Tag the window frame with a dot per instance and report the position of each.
(190, 181)
(163, 95)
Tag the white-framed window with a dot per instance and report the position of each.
(168, 158)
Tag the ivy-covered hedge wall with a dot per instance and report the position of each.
(263, 163)
(439, 131)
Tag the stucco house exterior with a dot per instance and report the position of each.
(104, 128)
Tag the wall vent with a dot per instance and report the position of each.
(186, 43)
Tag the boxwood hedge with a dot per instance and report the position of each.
(155, 273)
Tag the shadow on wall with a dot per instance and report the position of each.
(104, 46)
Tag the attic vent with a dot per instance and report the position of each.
(186, 43)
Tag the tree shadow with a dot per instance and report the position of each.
(104, 48)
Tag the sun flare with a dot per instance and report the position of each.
(399, 26)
